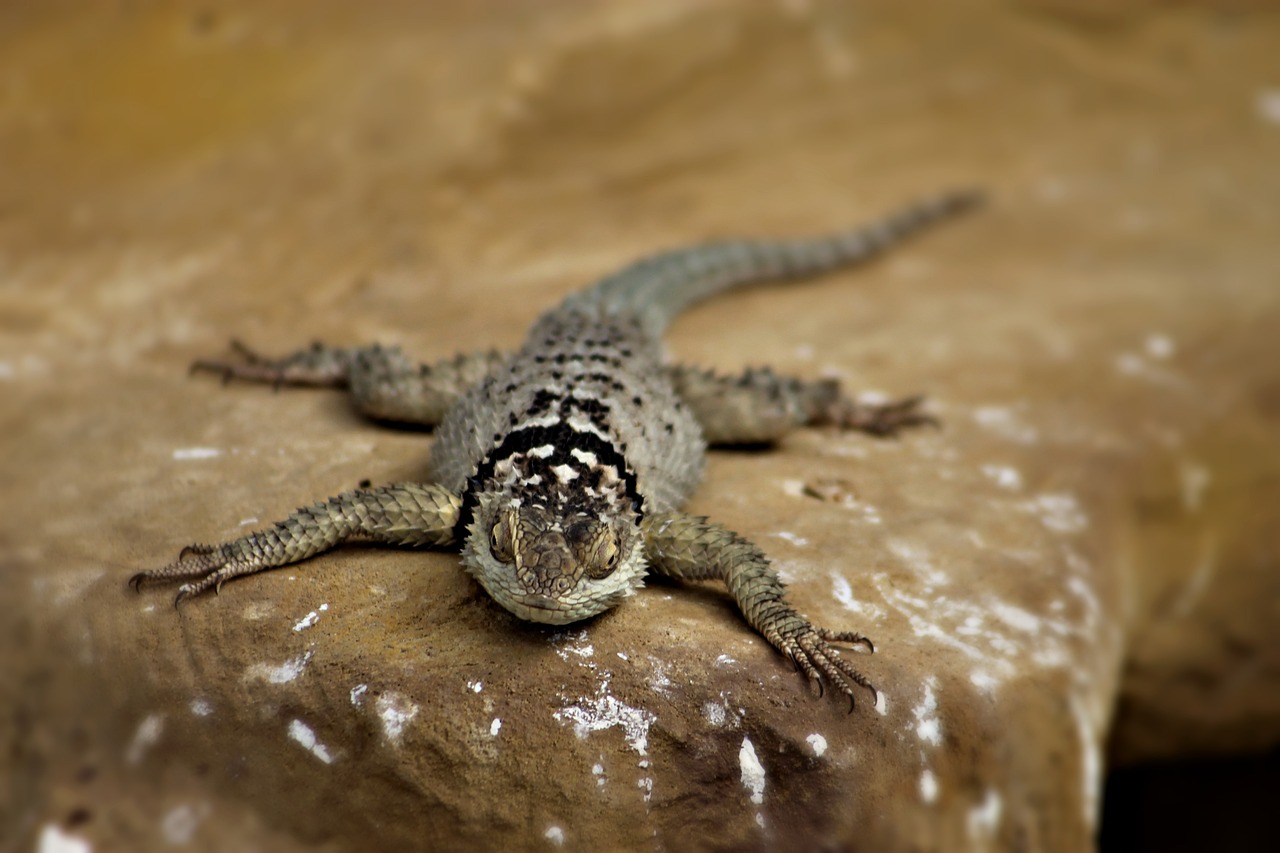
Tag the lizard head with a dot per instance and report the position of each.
(553, 567)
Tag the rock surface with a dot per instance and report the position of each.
(1087, 547)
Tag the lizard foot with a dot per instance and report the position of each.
(207, 566)
(809, 649)
(319, 366)
(883, 419)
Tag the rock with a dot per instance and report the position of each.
(1086, 547)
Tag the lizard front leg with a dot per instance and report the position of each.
(688, 547)
(385, 384)
(401, 514)
(759, 406)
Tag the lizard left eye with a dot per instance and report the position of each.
(605, 567)
(500, 543)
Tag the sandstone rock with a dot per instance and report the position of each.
(1093, 528)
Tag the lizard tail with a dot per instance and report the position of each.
(656, 289)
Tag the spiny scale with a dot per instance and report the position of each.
(559, 470)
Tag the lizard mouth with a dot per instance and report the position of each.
(549, 611)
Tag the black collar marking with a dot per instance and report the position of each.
(563, 438)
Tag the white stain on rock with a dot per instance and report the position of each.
(185, 453)
(395, 711)
(983, 680)
(310, 619)
(753, 775)
(660, 680)
(181, 822)
(1004, 476)
(53, 839)
(281, 673)
(1005, 423)
(1016, 617)
(303, 735)
(1060, 513)
(606, 711)
(920, 561)
(928, 726)
(146, 736)
(567, 644)
(818, 744)
(928, 786)
(843, 592)
(983, 820)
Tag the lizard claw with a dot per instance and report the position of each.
(196, 549)
(248, 353)
(847, 637)
(318, 366)
(201, 566)
(808, 647)
(883, 419)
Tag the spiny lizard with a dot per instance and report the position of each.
(560, 470)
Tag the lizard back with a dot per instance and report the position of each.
(590, 370)
(584, 401)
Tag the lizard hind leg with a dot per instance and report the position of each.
(383, 382)
(689, 547)
(759, 406)
(320, 366)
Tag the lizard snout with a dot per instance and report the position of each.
(546, 566)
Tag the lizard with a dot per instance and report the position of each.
(559, 471)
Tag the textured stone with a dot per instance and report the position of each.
(1093, 529)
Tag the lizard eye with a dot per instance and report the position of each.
(500, 541)
(609, 554)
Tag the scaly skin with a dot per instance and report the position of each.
(559, 470)
(403, 514)
(690, 548)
